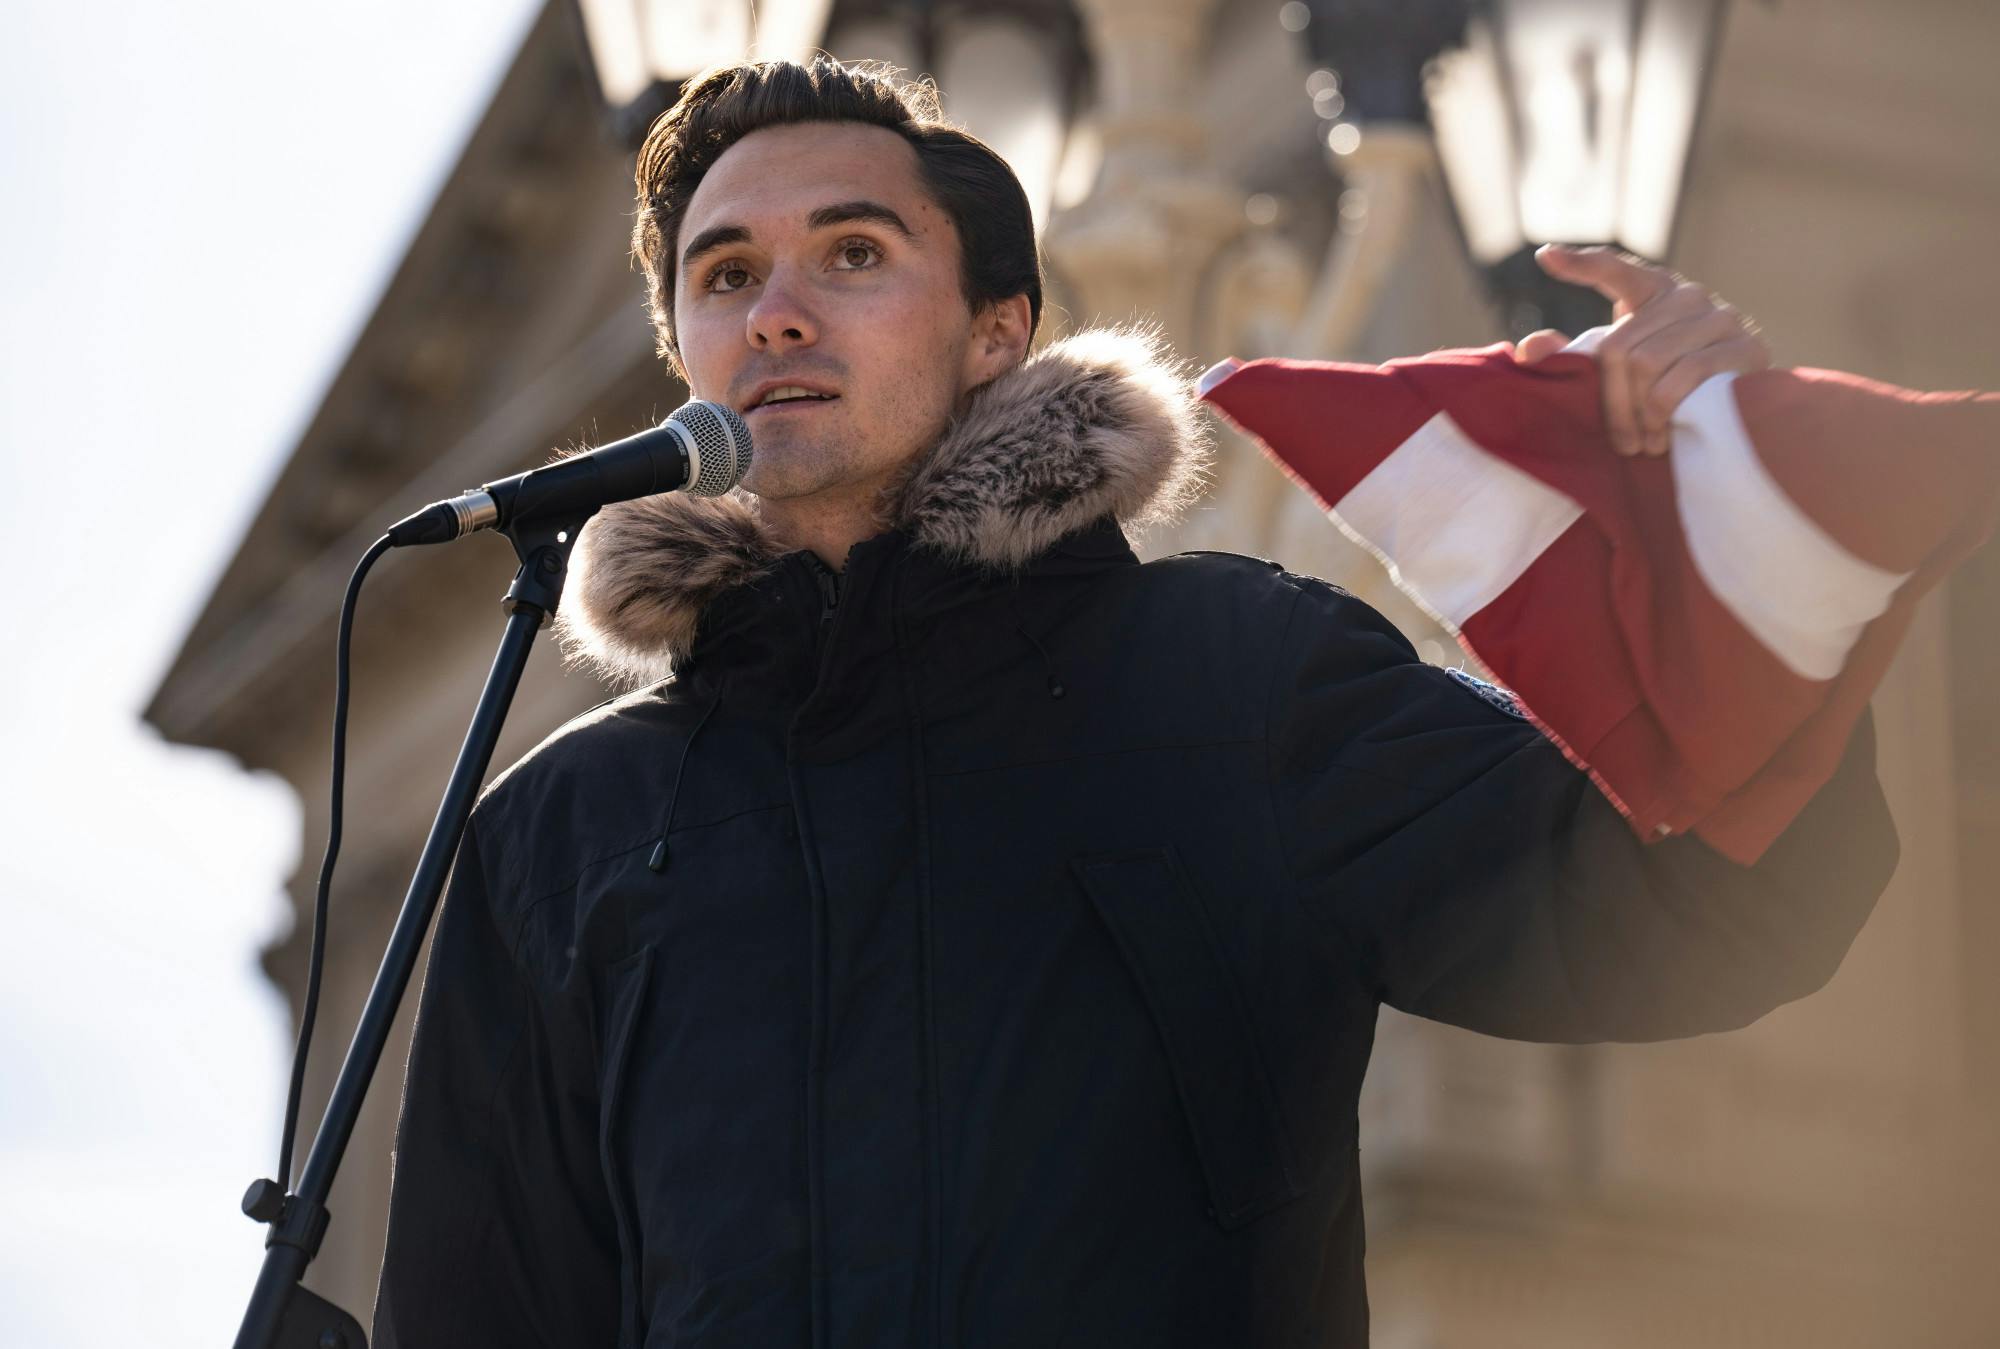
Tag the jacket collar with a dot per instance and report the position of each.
(1101, 424)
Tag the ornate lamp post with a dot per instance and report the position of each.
(641, 50)
(1556, 121)
(1009, 71)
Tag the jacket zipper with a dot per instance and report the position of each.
(829, 605)
(933, 1160)
(828, 581)
(829, 590)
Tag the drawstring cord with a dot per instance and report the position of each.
(658, 861)
(1056, 689)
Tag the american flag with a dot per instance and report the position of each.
(1699, 632)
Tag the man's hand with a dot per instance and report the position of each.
(1668, 337)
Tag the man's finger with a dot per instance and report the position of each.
(1720, 336)
(1618, 276)
(1539, 345)
(1693, 371)
(1625, 386)
(1660, 350)
(1717, 328)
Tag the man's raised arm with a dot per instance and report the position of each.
(1476, 877)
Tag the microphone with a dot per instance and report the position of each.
(701, 448)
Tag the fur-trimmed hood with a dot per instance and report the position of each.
(1101, 423)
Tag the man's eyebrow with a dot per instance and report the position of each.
(721, 236)
(851, 212)
(840, 213)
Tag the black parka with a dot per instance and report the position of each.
(984, 949)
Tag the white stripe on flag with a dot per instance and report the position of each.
(1788, 581)
(1456, 525)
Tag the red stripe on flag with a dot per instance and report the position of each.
(1331, 441)
(1885, 471)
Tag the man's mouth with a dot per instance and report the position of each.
(790, 395)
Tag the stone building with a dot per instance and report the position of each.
(1827, 1177)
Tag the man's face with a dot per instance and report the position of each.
(812, 259)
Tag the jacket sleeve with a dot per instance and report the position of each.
(1475, 877)
(500, 1229)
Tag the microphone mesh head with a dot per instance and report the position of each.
(722, 447)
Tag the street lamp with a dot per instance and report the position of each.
(1556, 121)
(1570, 121)
(642, 50)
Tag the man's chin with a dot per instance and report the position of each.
(779, 475)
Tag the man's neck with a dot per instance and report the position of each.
(826, 528)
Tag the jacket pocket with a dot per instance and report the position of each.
(625, 997)
(1165, 935)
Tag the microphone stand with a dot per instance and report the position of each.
(282, 1314)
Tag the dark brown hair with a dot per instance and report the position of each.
(972, 184)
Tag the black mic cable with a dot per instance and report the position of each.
(701, 448)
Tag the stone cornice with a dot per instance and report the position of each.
(211, 685)
(448, 384)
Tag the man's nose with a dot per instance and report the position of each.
(780, 319)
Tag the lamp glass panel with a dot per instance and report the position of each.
(790, 30)
(1570, 65)
(686, 37)
(617, 50)
(1674, 42)
(1004, 86)
(1469, 115)
(875, 39)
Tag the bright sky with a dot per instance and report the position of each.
(203, 203)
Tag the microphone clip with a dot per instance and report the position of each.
(543, 547)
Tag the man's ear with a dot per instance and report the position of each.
(1000, 336)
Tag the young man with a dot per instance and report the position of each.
(978, 939)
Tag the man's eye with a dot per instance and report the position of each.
(729, 276)
(856, 254)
